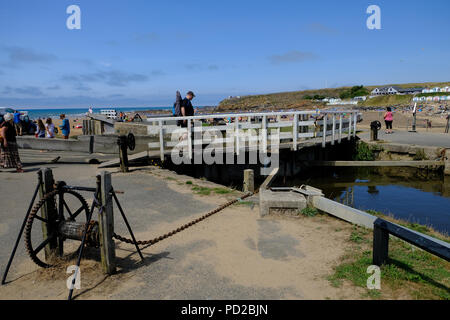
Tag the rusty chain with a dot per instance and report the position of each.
(183, 227)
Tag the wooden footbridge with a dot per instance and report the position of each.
(243, 132)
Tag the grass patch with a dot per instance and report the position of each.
(309, 212)
(189, 182)
(244, 203)
(205, 191)
(412, 273)
(420, 155)
(222, 190)
(364, 152)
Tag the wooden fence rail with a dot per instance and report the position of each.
(237, 132)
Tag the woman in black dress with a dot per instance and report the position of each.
(9, 157)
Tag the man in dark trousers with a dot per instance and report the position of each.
(186, 108)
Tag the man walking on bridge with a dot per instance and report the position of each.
(186, 109)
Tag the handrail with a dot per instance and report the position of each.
(259, 114)
(297, 120)
(382, 229)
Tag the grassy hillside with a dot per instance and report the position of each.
(296, 99)
(382, 101)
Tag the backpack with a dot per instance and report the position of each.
(177, 105)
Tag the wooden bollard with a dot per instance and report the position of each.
(106, 225)
(249, 180)
(48, 212)
(380, 246)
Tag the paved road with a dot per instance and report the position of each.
(419, 139)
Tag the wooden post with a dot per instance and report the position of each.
(106, 224)
(84, 127)
(295, 132)
(189, 138)
(349, 126)
(236, 135)
(380, 245)
(355, 122)
(334, 129)
(340, 128)
(264, 134)
(161, 140)
(249, 180)
(324, 141)
(48, 212)
(123, 154)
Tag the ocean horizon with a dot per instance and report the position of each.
(36, 113)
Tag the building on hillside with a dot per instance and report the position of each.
(361, 98)
(395, 90)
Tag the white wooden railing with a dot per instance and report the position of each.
(292, 128)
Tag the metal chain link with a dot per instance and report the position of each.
(183, 227)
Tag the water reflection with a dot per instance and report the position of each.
(415, 195)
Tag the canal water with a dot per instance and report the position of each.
(410, 194)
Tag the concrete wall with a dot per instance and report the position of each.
(432, 153)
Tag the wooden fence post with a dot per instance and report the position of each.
(249, 180)
(106, 225)
(334, 130)
(48, 212)
(380, 245)
(349, 126)
(295, 132)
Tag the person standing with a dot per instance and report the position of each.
(49, 128)
(9, 157)
(18, 122)
(186, 108)
(388, 119)
(65, 126)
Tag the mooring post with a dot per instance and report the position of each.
(106, 224)
(123, 154)
(380, 245)
(249, 180)
(49, 213)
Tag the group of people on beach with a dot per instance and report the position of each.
(48, 129)
(12, 126)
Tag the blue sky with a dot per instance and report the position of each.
(139, 52)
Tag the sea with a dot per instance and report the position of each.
(80, 112)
